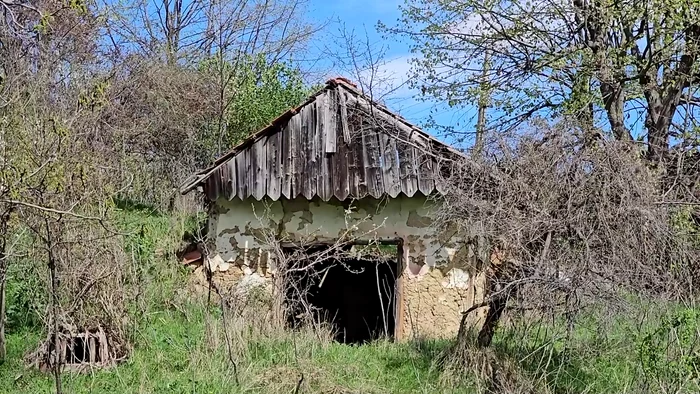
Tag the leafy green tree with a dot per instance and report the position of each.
(252, 94)
(52, 181)
(627, 68)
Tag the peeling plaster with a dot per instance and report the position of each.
(431, 257)
(302, 219)
(456, 279)
(227, 231)
(214, 262)
(414, 270)
(418, 221)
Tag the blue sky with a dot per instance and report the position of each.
(361, 16)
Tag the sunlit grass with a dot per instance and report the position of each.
(179, 346)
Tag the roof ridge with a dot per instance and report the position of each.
(333, 83)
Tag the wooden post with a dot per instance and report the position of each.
(104, 347)
(398, 292)
(92, 348)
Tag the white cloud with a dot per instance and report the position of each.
(388, 79)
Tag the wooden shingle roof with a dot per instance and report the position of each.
(339, 143)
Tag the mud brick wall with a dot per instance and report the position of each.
(438, 278)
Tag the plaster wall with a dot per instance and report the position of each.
(438, 278)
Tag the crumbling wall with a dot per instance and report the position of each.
(439, 278)
(432, 301)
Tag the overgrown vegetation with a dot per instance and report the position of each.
(179, 344)
(90, 115)
(580, 197)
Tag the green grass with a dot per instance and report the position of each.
(654, 347)
(173, 355)
(179, 347)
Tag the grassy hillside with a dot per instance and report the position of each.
(174, 355)
(180, 347)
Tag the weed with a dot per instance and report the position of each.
(180, 345)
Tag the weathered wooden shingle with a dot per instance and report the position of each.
(337, 144)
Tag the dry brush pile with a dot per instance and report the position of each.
(569, 225)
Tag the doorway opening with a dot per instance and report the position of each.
(353, 289)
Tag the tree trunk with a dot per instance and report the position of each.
(663, 100)
(493, 316)
(657, 124)
(496, 306)
(3, 276)
(496, 301)
(658, 145)
(614, 100)
(54, 306)
(3, 346)
(483, 103)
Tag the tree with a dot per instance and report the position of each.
(208, 73)
(627, 69)
(184, 33)
(560, 227)
(51, 181)
(252, 93)
(563, 208)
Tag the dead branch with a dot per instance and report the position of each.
(229, 350)
(568, 225)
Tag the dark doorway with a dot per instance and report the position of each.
(354, 291)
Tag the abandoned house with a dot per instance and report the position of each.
(343, 171)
